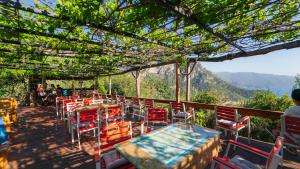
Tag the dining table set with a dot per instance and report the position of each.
(174, 145)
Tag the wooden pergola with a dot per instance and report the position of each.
(72, 39)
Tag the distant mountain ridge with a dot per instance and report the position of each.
(279, 84)
(201, 80)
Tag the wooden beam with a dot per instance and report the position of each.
(231, 56)
(188, 82)
(138, 83)
(177, 66)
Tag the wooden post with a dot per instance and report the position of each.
(188, 82)
(138, 83)
(109, 87)
(177, 82)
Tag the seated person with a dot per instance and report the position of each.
(294, 111)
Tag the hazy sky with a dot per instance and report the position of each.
(283, 62)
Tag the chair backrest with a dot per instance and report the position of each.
(136, 101)
(97, 96)
(97, 101)
(114, 134)
(175, 106)
(74, 97)
(114, 97)
(157, 115)
(73, 105)
(87, 116)
(87, 101)
(105, 96)
(226, 113)
(275, 157)
(290, 127)
(114, 110)
(122, 99)
(65, 102)
(60, 99)
(149, 103)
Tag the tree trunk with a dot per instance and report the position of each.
(177, 82)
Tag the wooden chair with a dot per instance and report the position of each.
(148, 103)
(64, 108)
(97, 101)
(74, 97)
(87, 101)
(137, 107)
(84, 121)
(157, 115)
(111, 114)
(71, 107)
(179, 111)
(115, 99)
(228, 119)
(106, 99)
(105, 155)
(290, 131)
(274, 158)
(125, 103)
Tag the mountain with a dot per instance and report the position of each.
(279, 84)
(201, 80)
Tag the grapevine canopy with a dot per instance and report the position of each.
(88, 38)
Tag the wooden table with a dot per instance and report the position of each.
(176, 146)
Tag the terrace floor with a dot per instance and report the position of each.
(37, 142)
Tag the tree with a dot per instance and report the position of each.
(267, 100)
(206, 97)
(297, 82)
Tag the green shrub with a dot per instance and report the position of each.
(206, 97)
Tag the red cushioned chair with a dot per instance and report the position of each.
(111, 114)
(105, 155)
(71, 107)
(87, 101)
(179, 112)
(84, 121)
(274, 158)
(228, 119)
(157, 115)
(74, 97)
(64, 116)
(290, 131)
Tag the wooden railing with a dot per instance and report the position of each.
(273, 115)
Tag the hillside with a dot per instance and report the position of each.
(201, 80)
(279, 84)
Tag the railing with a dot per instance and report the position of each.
(273, 115)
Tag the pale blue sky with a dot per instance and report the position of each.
(283, 62)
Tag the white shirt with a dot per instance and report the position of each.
(294, 111)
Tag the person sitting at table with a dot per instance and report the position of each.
(40, 94)
(295, 112)
(58, 90)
